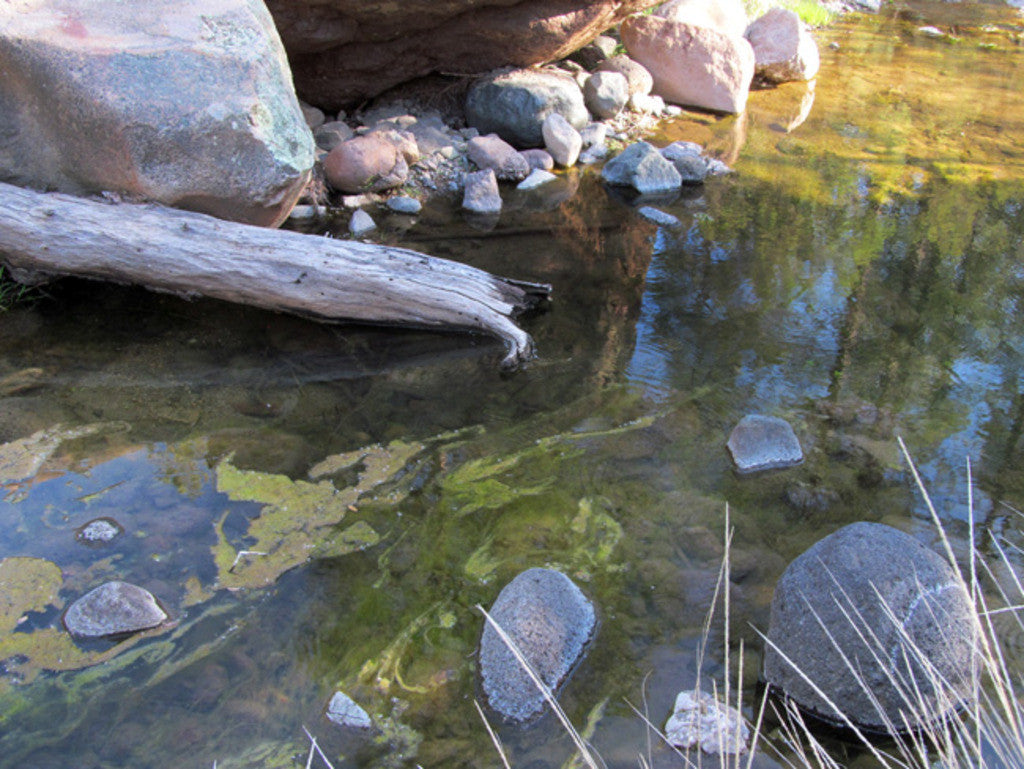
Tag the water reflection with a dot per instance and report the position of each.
(859, 275)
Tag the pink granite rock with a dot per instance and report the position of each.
(365, 164)
(783, 48)
(693, 66)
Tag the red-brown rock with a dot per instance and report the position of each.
(691, 65)
(365, 164)
(344, 51)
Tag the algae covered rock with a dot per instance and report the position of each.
(551, 622)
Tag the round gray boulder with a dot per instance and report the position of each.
(513, 104)
(882, 626)
(764, 443)
(114, 608)
(551, 622)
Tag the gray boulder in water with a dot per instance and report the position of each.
(642, 167)
(871, 598)
(764, 443)
(551, 622)
(186, 103)
(114, 608)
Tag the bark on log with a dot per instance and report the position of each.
(164, 249)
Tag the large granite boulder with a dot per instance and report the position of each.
(692, 65)
(783, 47)
(113, 609)
(876, 621)
(345, 51)
(514, 103)
(726, 16)
(551, 622)
(184, 102)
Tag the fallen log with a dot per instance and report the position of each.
(44, 235)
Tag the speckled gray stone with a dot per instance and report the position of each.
(551, 622)
(764, 443)
(99, 531)
(911, 613)
(114, 608)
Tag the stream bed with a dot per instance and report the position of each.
(323, 507)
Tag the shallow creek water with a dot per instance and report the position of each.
(859, 275)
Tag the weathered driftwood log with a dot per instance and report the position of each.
(164, 249)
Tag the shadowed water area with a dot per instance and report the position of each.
(321, 508)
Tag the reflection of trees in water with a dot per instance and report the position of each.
(912, 306)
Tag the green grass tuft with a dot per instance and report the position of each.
(14, 294)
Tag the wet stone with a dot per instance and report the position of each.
(642, 167)
(659, 217)
(547, 616)
(698, 719)
(764, 443)
(361, 223)
(112, 609)
(481, 194)
(344, 711)
(876, 595)
(99, 531)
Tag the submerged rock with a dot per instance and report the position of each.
(698, 719)
(99, 531)
(551, 622)
(875, 598)
(344, 711)
(764, 443)
(513, 104)
(659, 217)
(114, 608)
(186, 103)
